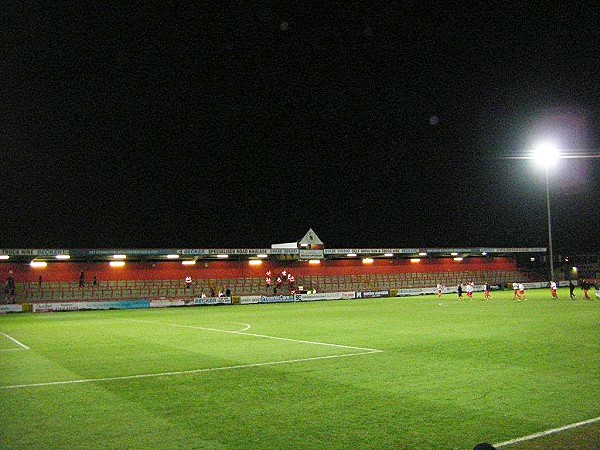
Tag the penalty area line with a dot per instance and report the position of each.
(185, 372)
(20, 344)
(547, 432)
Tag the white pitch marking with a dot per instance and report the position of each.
(15, 341)
(184, 372)
(371, 350)
(547, 432)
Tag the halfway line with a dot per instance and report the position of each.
(243, 333)
(547, 432)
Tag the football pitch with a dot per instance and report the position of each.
(395, 373)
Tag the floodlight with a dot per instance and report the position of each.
(262, 255)
(120, 256)
(255, 262)
(389, 255)
(38, 264)
(367, 261)
(454, 254)
(546, 154)
(188, 262)
(314, 261)
(423, 254)
(116, 263)
(415, 260)
(172, 256)
(222, 256)
(458, 259)
(351, 255)
(4, 257)
(63, 257)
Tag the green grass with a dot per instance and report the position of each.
(449, 376)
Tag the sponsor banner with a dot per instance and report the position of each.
(408, 292)
(325, 296)
(212, 301)
(250, 299)
(78, 306)
(311, 254)
(276, 299)
(165, 303)
(11, 308)
(344, 251)
(373, 294)
(33, 251)
(44, 307)
(536, 285)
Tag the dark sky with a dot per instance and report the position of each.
(156, 125)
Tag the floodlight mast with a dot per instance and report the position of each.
(549, 227)
(547, 154)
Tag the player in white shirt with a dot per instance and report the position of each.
(522, 295)
(553, 289)
(515, 291)
(469, 289)
(439, 290)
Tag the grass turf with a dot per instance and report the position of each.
(449, 376)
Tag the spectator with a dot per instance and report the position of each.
(40, 281)
(228, 292)
(95, 281)
(81, 279)
(571, 289)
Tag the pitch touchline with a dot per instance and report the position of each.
(15, 341)
(184, 372)
(547, 432)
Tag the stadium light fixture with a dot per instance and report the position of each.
(314, 261)
(415, 260)
(546, 154)
(189, 262)
(423, 254)
(63, 257)
(38, 264)
(458, 259)
(574, 269)
(262, 255)
(351, 255)
(483, 253)
(4, 257)
(367, 260)
(453, 254)
(222, 256)
(116, 263)
(119, 256)
(388, 255)
(532, 259)
(255, 262)
(172, 256)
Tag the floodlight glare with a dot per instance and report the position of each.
(63, 257)
(255, 262)
(188, 262)
(4, 256)
(116, 263)
(172, 256)
(546, 154)
(38, 264)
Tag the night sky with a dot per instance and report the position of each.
(377, 125)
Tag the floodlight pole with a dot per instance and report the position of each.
(549, 226)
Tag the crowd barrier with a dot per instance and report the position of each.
(244, 300)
